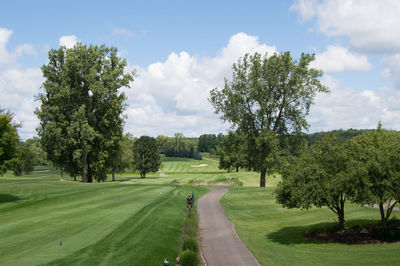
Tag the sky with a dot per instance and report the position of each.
(183, 49)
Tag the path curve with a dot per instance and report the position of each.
(220, 245)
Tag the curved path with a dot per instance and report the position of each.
(220, 245)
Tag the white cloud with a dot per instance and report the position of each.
(26, 48)
(306, 8)
(370, 25)
(18, 85)
(347, 108)
(392, 70)
(171, 96)
(68, 41)
(339, 59)
(123, 32)
(6, 58)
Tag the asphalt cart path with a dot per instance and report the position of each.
(220, 245)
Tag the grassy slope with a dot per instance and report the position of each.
(96, 223)
(274, 234)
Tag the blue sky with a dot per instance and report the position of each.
(182, 49)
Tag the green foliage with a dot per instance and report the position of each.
(189, 258)
(268, 97)
(181, 148)
(8, 140)
(146, 155)
(39, 156)
(208, 142)
(24, 161)
(191, 244)
(81, 120)
(341, 134)
(376, 157)
(232, 152)
(321, 176)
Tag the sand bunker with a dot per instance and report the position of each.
(199, 165)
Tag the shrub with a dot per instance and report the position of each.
(190, 243)
(189, 258)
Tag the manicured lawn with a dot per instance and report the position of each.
(47, 221)
(189, 171)
(274, 234)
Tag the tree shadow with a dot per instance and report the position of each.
(8, 198)
(295, 234)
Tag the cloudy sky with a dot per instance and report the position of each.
(183, 49)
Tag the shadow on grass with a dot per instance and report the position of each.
(8, 198)
(295, 234)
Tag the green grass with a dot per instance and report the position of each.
(190, 171)
(275, 235)
(47, 221)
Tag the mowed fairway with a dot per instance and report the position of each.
(200, 172)
(275, 235)
(47, 221)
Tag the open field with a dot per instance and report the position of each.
(47, 221)
(274, 234)
(190, 171)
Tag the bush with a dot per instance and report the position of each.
(190, 243)
(189, 258)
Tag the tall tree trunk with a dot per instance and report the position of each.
(340, 214)
(262, 177)
(84, 178)
(237, 168)
(62, 175)
(84, 174)
(113, 174)
(74, 178)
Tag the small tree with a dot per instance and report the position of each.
(232, 152)
(321, 176)
(23, 162)
(377, 155)
(146, 156)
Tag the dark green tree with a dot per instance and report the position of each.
(24, 161)
(232, 151)
(268, 97)
(207, 142)
(146, 155)
(81, 109)
(322, 176)
(8, 140)
(124, 155)
(376, 156)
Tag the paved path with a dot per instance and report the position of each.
(220, 244)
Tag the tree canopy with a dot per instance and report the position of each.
(8, 140)
(81, 120)
(323, 175)
(268, 97)
(376, 156)
(146, 155)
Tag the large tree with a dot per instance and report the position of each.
(8, 140)
(268, 97)
(146, 155)
(81, 109)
